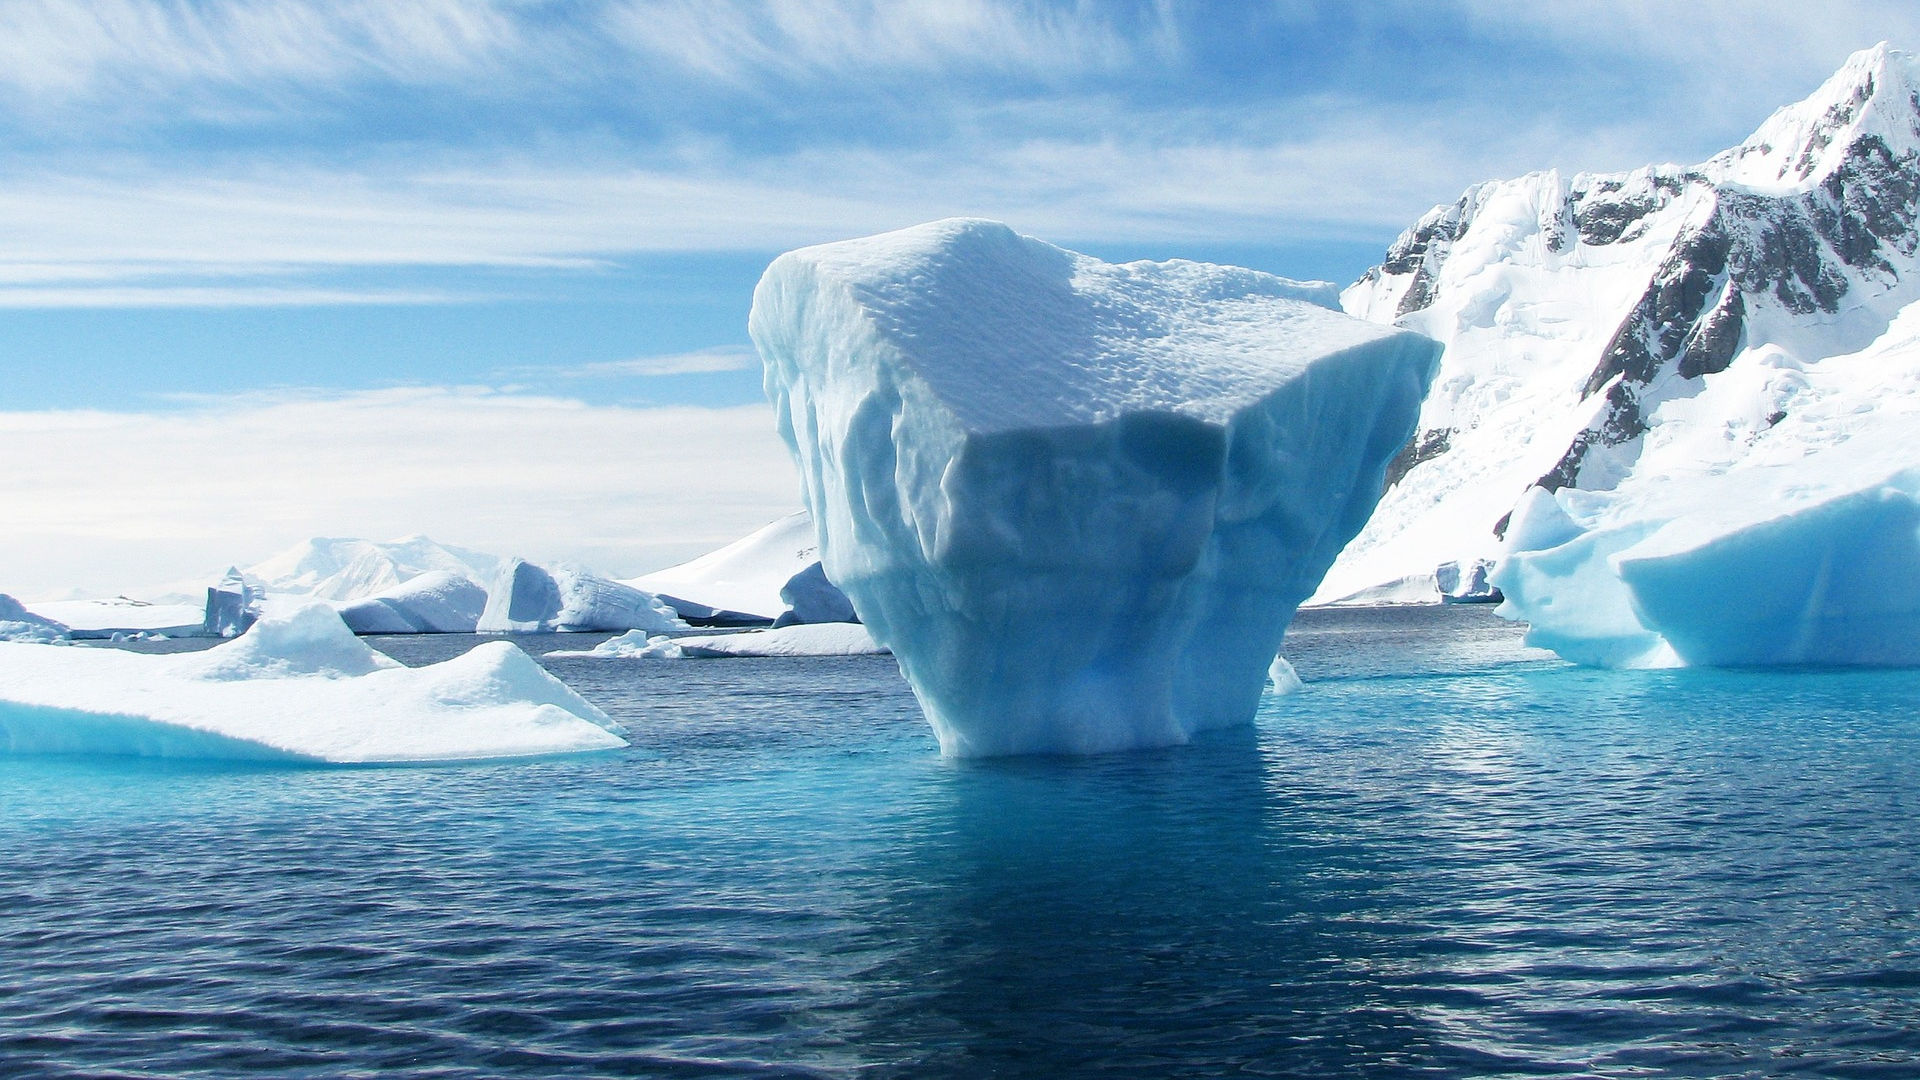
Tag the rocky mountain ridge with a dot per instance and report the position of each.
(1576, 310)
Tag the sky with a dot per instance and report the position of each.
(481, 270)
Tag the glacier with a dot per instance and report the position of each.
(1607, 332)
(1079, 501)
(294, 687)
(526, 598)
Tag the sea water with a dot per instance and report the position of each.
(1446, 856)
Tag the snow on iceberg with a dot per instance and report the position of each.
(437, 602)
(1811, 562)
(20, 625)
(741, 582)
(1080, 501)
(811, 639)
(344, 568)
(525, 598)
(294, 687)
(124, 616)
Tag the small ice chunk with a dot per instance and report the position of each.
(811, 598)
(1282, 678)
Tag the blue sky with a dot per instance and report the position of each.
(208, 207)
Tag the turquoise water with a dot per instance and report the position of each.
(1445, 858)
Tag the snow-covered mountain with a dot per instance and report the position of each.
(1609, 331)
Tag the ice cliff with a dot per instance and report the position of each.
(1079, 501)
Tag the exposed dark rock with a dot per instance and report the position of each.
(1424, 446)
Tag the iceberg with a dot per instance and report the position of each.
(232, 605)
(1810, 562)
(123, 616)
(812, 639)
(525, 598)
(811, 598)
(740, 583)
(298, 687)
(20, 625)
(437, 602)
(1079, 501)
(345, 568)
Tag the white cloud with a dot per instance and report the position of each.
(147, 234)
(108, 501)
(698, 362)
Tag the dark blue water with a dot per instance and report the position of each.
(1442, 859)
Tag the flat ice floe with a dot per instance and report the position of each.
(1080, 501)
(807, 639)
(297, 687)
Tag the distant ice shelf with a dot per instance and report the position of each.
(1079, 501)
(295, 687)
(808, 639)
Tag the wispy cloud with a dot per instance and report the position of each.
(804, 39)
(203, 296)
(133, 497)
(82, 49)
(698, 362)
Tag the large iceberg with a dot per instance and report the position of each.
(297, 687)
(525, 598)
(1079, 501)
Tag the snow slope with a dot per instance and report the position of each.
(740, 582)
(1079, 501)
(333, 568)
(1608, 331)
(299, 687)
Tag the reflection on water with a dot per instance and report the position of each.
(1447, 856)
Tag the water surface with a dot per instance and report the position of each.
(1446, 857)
